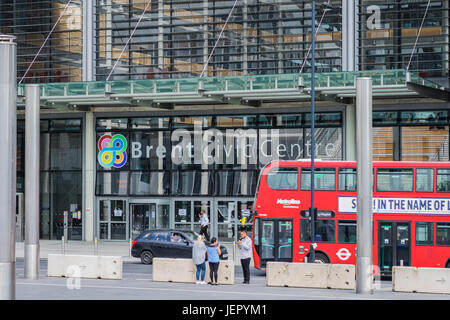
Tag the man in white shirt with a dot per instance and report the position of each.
(204, 222)
(245, 244)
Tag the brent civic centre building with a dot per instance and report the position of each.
(253, 97)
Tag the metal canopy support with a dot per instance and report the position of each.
(32, 155)
(364, 228)
(8, 137)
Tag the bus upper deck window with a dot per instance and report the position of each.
(283, 178)
(443, 180)
(324, 179)
(347, 179)
(400, 180)
(425, 180)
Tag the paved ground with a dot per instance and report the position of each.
(137, 284)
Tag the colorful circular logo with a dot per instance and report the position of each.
(112, 151)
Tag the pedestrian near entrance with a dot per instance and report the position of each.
(214, 260)
(204, 222)
(199, 252)
(245, 245)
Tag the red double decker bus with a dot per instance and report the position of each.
(411, 213)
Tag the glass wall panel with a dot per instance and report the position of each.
(214, 160)
(388, 33)
(66, 151)
(425, 143)
(328, 144)
(172, 38)
(150, 150)
(149, 183)
(149, 123)
(66, 188)
(60, 176)
(188, 183)
(383, 144)
(31, 22)
(112, 183)
(236, 182)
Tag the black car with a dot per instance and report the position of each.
(167, 243)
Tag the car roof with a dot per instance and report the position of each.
(167, 230)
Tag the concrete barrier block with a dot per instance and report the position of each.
(184, 270)
(55, 266)
(404, 279)
(110, 267)
(423, 280)
(277, 274)
(341, 276)
(308, 275)
(434, 280)
(280, 274)
(84, 266)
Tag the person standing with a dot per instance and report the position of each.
(198, 256)
(245, 245)
(214, 260)
(204, 222)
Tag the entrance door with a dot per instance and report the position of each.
(145, 216)
(232, 215)
(394, 245)
(112, 220)
(273, 240)
(187, 214)
(141, 218)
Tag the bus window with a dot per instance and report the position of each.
(283, 178)
(400, 180)
(425, 180)
(285, 240)
(347, 179)
(324, 179)
(347, 231)
(424, 233)
(256, 232)
(324, 231)
(443, 234)
(305, 230)
(267, 240)
(443, 180)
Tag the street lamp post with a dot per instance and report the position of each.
(312, 251)
(8, 136)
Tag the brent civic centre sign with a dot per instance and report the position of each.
(212, 146)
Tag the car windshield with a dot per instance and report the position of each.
(191, 235)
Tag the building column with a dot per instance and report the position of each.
(349, 44)
(89, 177)
(88, 40)
(350, 133)
(161, 63)
(205, 35)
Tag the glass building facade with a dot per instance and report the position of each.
(60, 175)
(166, 178)
(388, 32)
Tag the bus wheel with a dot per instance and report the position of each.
(448, 264)
(321, 258)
